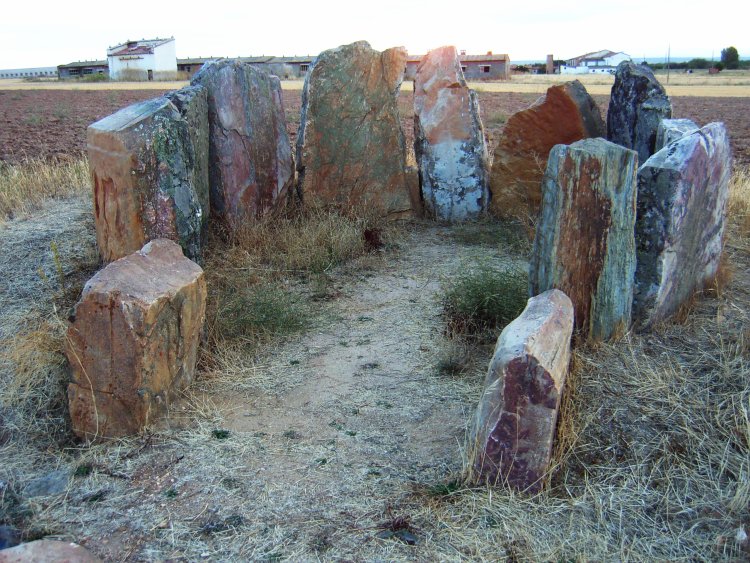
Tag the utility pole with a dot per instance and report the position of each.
(669, 53)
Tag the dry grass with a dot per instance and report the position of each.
(23, 187)
(739, 202)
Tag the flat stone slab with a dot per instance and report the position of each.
(142, 165)
(449, 139)
(48, 551)
(133, 340)
(565, 114)
(514, 427)
(250, 155)
(637, 105)
(584, 243)
(682, 202)
(350, 147)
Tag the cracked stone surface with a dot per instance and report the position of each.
(142, 164)
(133, 339)
(250, 156)
(449, 140)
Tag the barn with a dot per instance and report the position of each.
(147, 59)
(474, 67)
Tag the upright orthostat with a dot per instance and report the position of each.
(133, 340)
(514, 427)
(584, 243)
(637, 105)
(682, 201)
(350, 147)
(250, 156)
(565, 114)
(143, 166)
(449, 139)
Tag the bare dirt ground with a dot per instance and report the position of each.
(52, 123)
(306, 451)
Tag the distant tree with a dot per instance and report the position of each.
(730, 57)
(698, 64)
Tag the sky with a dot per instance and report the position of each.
(35, 33)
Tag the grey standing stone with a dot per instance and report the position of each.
(584, 243)
(672, 129)
(682, 198)
(449, 139)
(192, 103)
(142, 165)
(514, 427)
(250, 156)
(637, 104)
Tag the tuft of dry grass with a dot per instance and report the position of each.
(24, 187)
(739, 201)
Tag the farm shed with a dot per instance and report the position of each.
(147, 59)
(82, 68)
(474, 67)
(40, 72)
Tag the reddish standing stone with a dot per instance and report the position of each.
(250, 156)
(514, 427)
(565, 114)
(133, 339)
(584, 243)
(143, 167)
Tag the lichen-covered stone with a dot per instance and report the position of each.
(350, 146)
(565, 114)
(250, 156)
(192, 103)
(682, 198)
(133, 339)
(584, 243)
(672, 129)
(142, 165)
(449, 139)
(514, 426)
(637, 104)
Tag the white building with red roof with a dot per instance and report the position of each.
(147, 59)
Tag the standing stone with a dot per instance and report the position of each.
(672, 129)
(142, 165)
(133, 340)
(565, 114)
(584, 243)
(449, 139)
(514, 427)
(250, 156)
(350, 146)
(192, 103)
(682, 198)
(637, 104)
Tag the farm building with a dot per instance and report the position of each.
(40, 72)
(283, 67)
(147, 59)
(601, 62)
(474, 67)
(82, 68)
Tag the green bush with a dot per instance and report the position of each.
(257, 311)
(484, 299)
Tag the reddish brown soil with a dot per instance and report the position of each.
(51, 124)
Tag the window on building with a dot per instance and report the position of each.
(463, 68)
(303, 68)
(484, 68)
